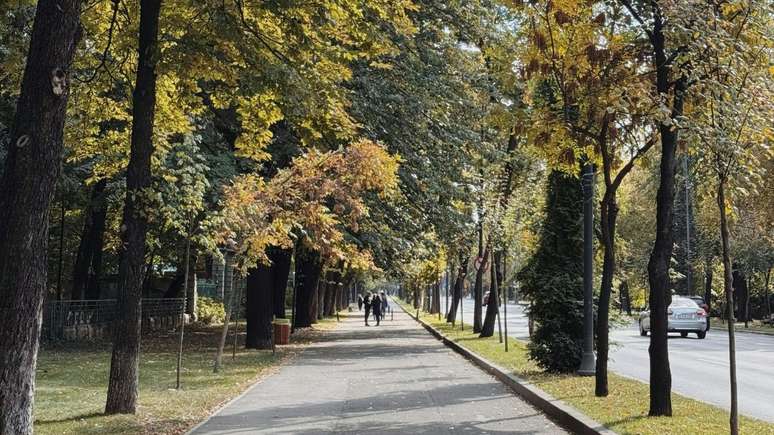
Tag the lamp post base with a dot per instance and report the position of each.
(588, 365)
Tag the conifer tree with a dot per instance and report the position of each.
(553, 279)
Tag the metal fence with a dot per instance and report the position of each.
(86, 319)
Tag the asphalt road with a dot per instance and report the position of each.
(699, 367)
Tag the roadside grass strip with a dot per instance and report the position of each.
(72, 381)
(624, 411)
(754, 326)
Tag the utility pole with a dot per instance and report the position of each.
(588, 363)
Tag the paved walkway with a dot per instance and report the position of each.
(390, 379)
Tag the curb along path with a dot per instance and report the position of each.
(569, 417)
(395, 378)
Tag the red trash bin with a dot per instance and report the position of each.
(281, 331)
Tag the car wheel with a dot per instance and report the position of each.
(643, 332)
(701, 334)
(683, 334)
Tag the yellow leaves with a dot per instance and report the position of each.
(732, 7)
(318, 196)
(257, 114)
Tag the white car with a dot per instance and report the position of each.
(685, 316)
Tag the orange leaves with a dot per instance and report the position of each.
(316, 198)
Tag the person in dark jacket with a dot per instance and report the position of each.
(359, 302)
(376, 305)
(367, 306)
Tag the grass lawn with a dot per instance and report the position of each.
(754, 326)
(625, 410)
(72, 382)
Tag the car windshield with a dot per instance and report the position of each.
(683, 303)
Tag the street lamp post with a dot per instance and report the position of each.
(588, 362)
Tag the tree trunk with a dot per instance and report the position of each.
(739, 284)
(608, 216)
(493, 307)
(627, 297)
(478, 288)
(332, 279)
(175, 289)
(308, 269)
(123, 383)
(767, 301)
(230, 308)
(88, 261)
(192, 292)
(280, 266)
(728, 287)
(260, 284)
(32, 168)
(661, 256)
(456, 297)
(478, 293)
(708, 275)
(319, 299)
(339, 292)
(436, 305)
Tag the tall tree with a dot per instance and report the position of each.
(671, 86)
(32, 166)
(552, 279)
(731, 128)
(88, 263)
(594, 107)
(124, 363)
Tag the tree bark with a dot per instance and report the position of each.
(739, 284)
(319, 299)
(32, 167)
(728, 287)
(767, 301)
(478, 288)
(708, 275)
(123, 383)
(608, 216)
(661, 256)
(88, 262)
(260, 285)
(175, 289)
(436, 306)
(280, 266)
(493, 307)
(308, 269)
(462, 270)
(626, 296)
(230, 309)
(330, 285)
(192, 292)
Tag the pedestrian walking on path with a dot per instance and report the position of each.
(367, 306)
(397, 380)
(385, 305)
(359, 302)
(376, 305)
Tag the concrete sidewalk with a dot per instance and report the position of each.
(395, 378)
